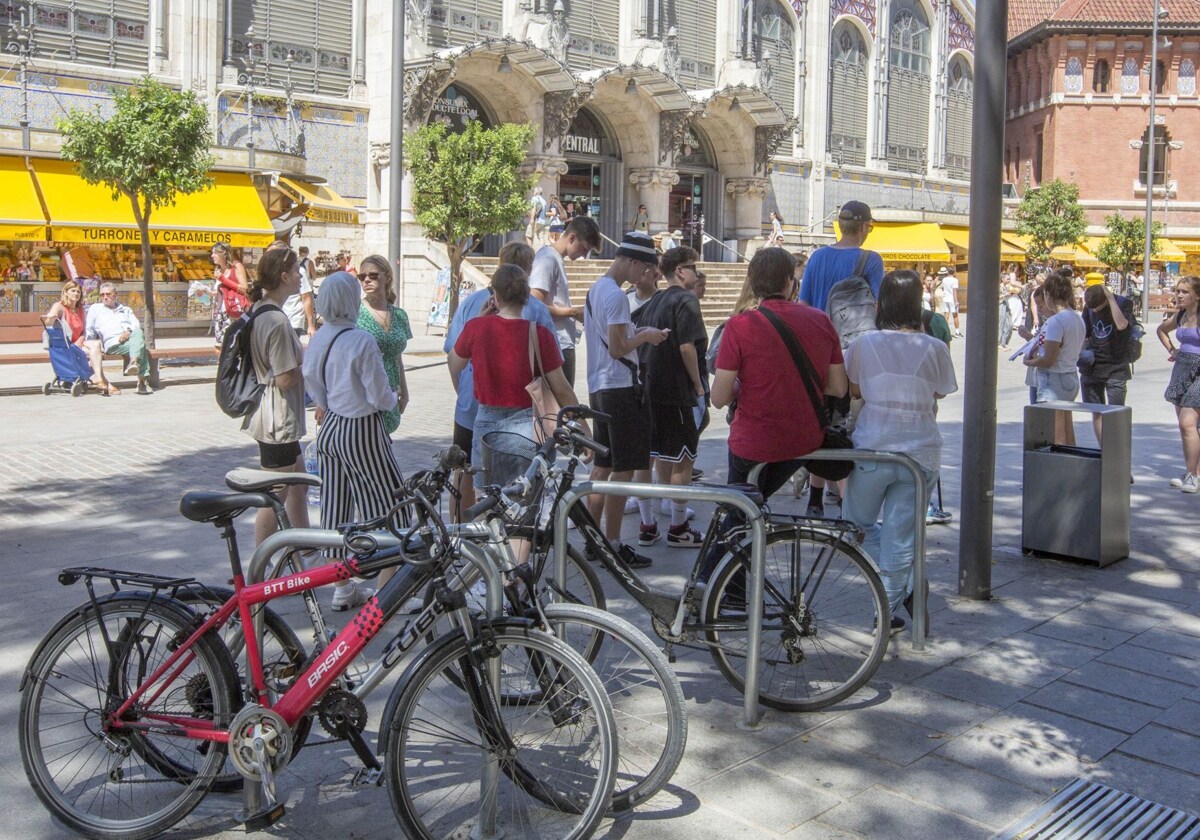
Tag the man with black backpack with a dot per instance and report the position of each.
(1110, 346)
(843, 280)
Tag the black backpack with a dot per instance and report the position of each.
(851, 303)
(238, 389)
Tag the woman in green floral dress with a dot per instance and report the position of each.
(388, 325)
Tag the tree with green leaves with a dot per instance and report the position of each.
(1125, 245)
(467, 185)
(153, 147)
(1051, 216)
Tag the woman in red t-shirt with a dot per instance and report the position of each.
(233, 284)
(499, 347)
(70, 309)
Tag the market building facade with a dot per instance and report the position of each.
(283, 83)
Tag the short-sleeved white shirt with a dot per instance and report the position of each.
(608, 306)
(899, 373)
(1067, 328)
(549, 275)
(293, 307)
(950, 288)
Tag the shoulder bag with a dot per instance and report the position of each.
(545, 405)
(835, 438)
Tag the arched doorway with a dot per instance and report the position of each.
(694, 205)
(456, 106)
(593, 177)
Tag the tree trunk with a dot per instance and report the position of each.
(142, 217)
(455, 251)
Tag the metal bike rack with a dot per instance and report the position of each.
(731, 498)
(874, 456)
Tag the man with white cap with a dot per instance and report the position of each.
(615, 384)
(947, 284)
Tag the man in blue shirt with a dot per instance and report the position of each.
(833, 263)
(478, 303)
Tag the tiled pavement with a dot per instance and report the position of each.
(1069, 671)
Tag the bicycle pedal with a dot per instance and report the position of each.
(367, 776)
(265, 818)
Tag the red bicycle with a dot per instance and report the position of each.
(132, 702)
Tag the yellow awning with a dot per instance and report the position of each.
(230, 211)
(1091, 247)
(324, 204)
(1063, 253)
(1188, 246)
(1169, 251)
(21, 216)
(907, 242)
(959, 237)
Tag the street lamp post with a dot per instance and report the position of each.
(250, 81)
(396, 176)
(1159, 14)
(22, 47)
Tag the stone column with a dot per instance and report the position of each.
(748, 194)
(653, 185)
(547, 169)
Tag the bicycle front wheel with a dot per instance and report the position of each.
(646, 697)
(123, 782)
(461, 764)
(825, 619)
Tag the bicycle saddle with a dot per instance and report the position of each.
(256, 481)
(203, 506)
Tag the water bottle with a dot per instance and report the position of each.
(310, 467)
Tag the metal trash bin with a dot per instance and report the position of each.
(1075, 499)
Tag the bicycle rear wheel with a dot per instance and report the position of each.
(825, 619)
(547, 768)
(646, 697)
(110, 782)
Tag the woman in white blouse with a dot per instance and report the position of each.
(900, 373)
(344, 374)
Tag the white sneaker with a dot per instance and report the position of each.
(1177, 481)
(1191, 484)
(631, 505)
(666, 508)
(351, 597)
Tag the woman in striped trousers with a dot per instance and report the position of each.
(345, 377)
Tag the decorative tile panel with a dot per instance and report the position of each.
(961, 35)
(864, 10)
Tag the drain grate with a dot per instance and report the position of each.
(1087, 811)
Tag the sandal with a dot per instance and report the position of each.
(112, 391)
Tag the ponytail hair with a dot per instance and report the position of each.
(271, 268)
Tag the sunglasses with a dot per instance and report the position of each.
(373, 275)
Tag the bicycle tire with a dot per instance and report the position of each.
(72, 679)
(825, 619)
(283, 660)
(645, 693)
(437, 726)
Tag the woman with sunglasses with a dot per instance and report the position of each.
(388, 325)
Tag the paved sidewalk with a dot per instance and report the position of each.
(1069, 671)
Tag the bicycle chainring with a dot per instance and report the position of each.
(663, 631)
(254, 723)
(339, 705)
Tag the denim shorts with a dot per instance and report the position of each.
(1052, 386)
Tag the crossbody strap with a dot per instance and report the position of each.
(633, 369)
(325, 361)
(803, 366)
(860, 265)
(535, 352)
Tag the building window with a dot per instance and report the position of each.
(1161, 148)
(1073, 79)
(1101, 76)
(316, 36)
(908, 88)
(1186, 84)
(768, 39)
(99, 33)
(958, 118)
(1160, 76)
(1130, 77)
(848, 96)
(1038, 150)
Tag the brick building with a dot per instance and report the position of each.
(1079, 99)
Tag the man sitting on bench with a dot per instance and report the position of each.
(120, 333)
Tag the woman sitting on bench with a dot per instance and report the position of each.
(70, 309)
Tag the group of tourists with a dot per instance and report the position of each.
(108, 327)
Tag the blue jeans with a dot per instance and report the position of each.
(887, 489)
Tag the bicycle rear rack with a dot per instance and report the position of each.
(140, 580)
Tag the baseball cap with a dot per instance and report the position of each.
(854, 211)
(638, 246)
